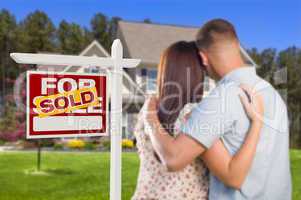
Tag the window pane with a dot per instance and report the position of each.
(143, 72)
(151, 80)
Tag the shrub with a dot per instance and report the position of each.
(90, 146)
(58, 146)
(2, 142)
(11, 136)
(28, 144)
(11, 127)
(106, 144)
(126, 143)
(76, 144)
(47, 143)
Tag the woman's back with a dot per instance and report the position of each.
(155, 182)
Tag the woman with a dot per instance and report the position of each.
(180, 78)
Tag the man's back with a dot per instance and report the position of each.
(222, 111)
(269, 176)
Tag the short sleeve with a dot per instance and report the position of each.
(214, 116)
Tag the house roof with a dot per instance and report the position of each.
(147, 41)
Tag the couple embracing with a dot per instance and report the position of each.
(230, 145)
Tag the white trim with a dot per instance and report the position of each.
(98, 45)
(59, 60)
(27, 104)
(133, 83)
(67, 73)
(67, 135)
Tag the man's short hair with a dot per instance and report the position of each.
(215, 31)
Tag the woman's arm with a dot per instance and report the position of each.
(174, 152)
(232, 170)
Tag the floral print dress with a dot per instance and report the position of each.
(156, 183)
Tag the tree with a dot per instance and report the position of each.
(113, 26)
(71, 38)
(255, 55)
(8, 68)
(100, 29)
(291, 60)
(147, 21)
(266, 61)
(268, 65)
(37, 32)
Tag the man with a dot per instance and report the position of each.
(220, 116)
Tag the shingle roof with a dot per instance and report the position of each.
(147, 41)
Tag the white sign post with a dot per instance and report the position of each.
(115, 63)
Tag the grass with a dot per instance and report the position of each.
(296, 173)
(78, 176)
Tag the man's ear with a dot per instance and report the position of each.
(204, 58)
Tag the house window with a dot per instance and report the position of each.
(151, 80)
(143, 72)
(95, 69)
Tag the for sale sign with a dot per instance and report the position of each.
(66, 105)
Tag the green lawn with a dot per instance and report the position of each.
(78, 176)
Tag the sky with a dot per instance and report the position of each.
(259, 23)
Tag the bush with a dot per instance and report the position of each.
(106, 144)
(126, 143)
(90, 146)
(11, 136)
(58, 146)
(76, 144)
(2, 142)
(12, 128)
(47, 143)
(28, 144)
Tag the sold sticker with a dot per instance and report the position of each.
(65, 102)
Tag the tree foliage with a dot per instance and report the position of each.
(38, 33)
(100, 29)
(72, 38)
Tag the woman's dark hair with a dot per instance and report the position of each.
(180, 81)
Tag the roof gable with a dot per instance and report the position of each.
(94, 49)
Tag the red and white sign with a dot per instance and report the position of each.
(66, 105)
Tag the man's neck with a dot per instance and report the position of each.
(230, 66)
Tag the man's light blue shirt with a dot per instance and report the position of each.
(221, 115)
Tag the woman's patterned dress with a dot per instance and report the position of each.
(156, 183)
